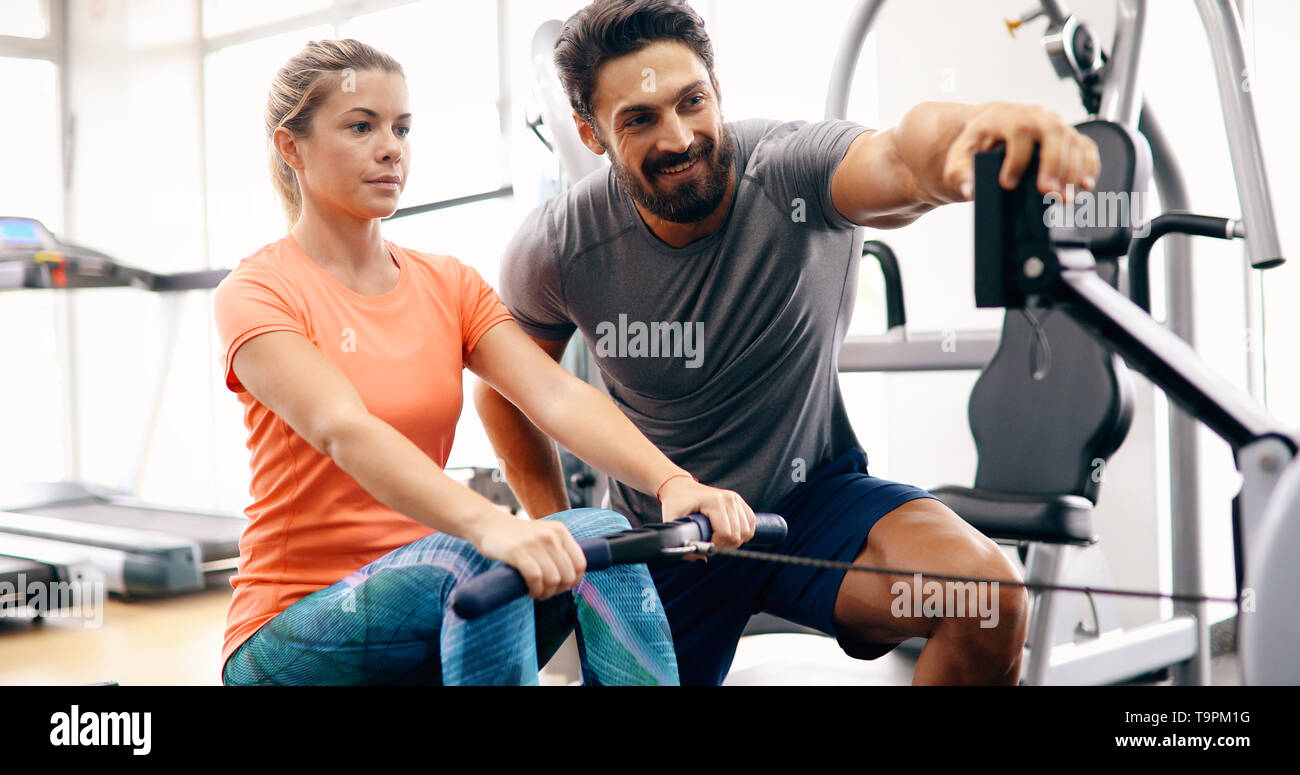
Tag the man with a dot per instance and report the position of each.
(712, 271)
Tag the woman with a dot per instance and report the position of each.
(346, 352)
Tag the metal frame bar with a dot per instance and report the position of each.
(1055, 656)
(846, 57)
(1184, 448)
(67, 328)
(1157, 352)
(926, 351)
(49, 47)
(1119, 656)
(1223, 28)
(505, 92)
(31, 48)
(1121, 96)
(443, 204)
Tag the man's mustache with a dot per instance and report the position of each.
(705, 148)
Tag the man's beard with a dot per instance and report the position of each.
(692, 200)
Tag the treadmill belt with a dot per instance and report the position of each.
(217, 536)
(14, 570)
(11, 567)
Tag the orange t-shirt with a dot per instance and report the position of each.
(311, 524)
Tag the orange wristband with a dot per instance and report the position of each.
(666, 481)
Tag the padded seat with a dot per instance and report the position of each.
(1002, 516)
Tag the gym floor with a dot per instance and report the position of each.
(173, 641)
(177, 642)
(166, 642)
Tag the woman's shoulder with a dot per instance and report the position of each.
(269, 261)
(273, 256)
(267, 269)
(433, 260)
(441, 266)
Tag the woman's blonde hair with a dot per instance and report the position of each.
(299, 89)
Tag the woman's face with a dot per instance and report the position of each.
(355, 160)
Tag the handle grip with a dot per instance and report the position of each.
(769, 529)
(498, 586)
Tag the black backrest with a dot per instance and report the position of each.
(1125, 176)
(1053, 404)
(1049, 409)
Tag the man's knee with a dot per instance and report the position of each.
(992, 615)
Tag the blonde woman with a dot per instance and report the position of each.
(346, 352)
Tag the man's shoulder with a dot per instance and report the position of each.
(753, 132)
(572, 222)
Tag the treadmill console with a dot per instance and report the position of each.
(24, 235)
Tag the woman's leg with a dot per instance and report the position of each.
(390, 623)
(623, 635)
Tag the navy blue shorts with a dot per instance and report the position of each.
(829, 516)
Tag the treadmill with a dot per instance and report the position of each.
(135, 563)
(142, 549)
(30, 563)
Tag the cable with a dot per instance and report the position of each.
(706, 548)
(1040, 350)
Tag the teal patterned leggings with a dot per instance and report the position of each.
(391, 623)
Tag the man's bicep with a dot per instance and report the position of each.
(872, 186)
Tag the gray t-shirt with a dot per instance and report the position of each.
(725, 352)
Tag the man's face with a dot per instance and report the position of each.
(659, 118)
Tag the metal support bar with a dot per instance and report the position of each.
(926, 351)
(1184, 443)
(1121, 96)
(444, 204)
(846, 58)
(1167, 360)
(1119, 656)
(1223, 26)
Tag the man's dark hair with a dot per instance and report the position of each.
(608, 29)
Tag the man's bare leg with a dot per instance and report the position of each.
(926, 535)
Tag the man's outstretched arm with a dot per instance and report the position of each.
(889, 179)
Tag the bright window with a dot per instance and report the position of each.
(451, 72)
(33, 177)
(31, 168)
(25, 18)
(243, 211)
(221, 17)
